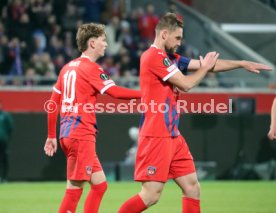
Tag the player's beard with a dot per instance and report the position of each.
(170, 50)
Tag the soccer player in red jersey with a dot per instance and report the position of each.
(75, 95)
(162, 152)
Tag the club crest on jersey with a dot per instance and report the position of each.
(166, 62)
(88, 170)
(104, 76)
(151, 170)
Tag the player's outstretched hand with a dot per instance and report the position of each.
(209, 61)
(272, 134)
(255, 67)
(50, 146)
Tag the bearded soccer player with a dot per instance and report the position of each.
(75, 93)
(162, 152)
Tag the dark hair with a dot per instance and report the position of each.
(87, 31)
(169, 21)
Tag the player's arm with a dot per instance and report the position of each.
(227, 65)
(185, 83)
(105, 85)
(50, 146)
(181, 62)
(272, 132)
(123, 93)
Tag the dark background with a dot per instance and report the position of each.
(218, 138)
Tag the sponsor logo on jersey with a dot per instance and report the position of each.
(104, 76)
(151, 170)
(166, 62)
(88, 170)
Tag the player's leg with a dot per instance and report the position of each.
(191, 193)
(182, 170)
(151, 168)
(148, 196)
(79, 166)
(72, 196)
(98, 186)
(151, 192)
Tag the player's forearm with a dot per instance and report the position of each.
(226, 65)
(52, 122)
(123, 93)
(185, 83)
(53, 114)
(221, 65)
(195, 78)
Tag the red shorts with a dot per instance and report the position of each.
(160, 159)
(82, 159)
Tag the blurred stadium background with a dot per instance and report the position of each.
(37, 37)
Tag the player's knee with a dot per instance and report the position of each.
(197, 189)
(154, 198)
(193, 190)
(151, 192)
(150, 197)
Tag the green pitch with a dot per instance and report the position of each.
(217, 197)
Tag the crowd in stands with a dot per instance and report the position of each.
(37, 37)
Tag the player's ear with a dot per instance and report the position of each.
(91, 43)
(164, 34)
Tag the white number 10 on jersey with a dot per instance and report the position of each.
(69, 86)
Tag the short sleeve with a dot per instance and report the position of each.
(100, 80)
(163, 67)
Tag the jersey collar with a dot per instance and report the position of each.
(158, 49)
(85, 56)
(154, 46)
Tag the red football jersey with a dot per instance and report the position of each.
(161, 120)
(78, 84)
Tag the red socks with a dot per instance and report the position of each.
(92, 203)
(190, 205)
(70, 201)
(133, 205)
(94, 198)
